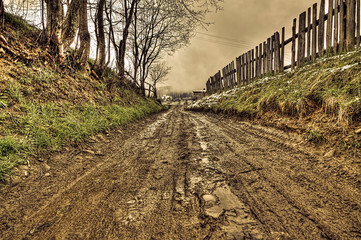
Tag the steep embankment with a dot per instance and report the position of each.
(45, 106)
(320, 100)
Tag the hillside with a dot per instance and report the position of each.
(320, 100)
(45, 106)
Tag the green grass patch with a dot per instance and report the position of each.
(331, 84)
(44, 127)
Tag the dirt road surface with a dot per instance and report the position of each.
(185, 175)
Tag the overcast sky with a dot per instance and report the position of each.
(241, 26)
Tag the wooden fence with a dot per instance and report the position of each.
(308, 42)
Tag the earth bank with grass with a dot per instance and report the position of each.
(46, 106)
(321, 100)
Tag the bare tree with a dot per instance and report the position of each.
(158, 74)
(84, 36)
(54, 25)
(100, 32)
(157, 30)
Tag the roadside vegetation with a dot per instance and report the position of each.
(320, 98)
(45, 106)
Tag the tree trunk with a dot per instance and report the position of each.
(71, 23)
(123, 42)
(84, 36)
(53, 26)
(100, 61)
(2, 13)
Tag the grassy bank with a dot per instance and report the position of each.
(46, 127)
(46, 105)
(322, 97)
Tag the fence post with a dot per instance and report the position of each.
(341, 46)
(282, 57)
(350, 23)
(335, 33)
(252, 64)
(219, 79)
(269, 55)
(321, 28)
(301, 39)
(264, 58)
(293, 59)
(314, 32)
(272, 53)
(277, 53)
(329, 27)
(309, 34)
(260, 60)
(358, 23)
(243, 63)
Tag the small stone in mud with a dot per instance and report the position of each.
(26, 173)
(209, 198)
(47, 174)
(46, 167)
(23, 167)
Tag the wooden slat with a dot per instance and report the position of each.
(301, 39)
(257, 56)
(314, 32)
(252, 64)
(264, 57)
(341, 45)
(336, 24)
(272, 53)
(269, 56)
(277, 53)
(243, 60)
(248, 66)
(321, 29)
(282, 57)
(260, 60)
(350, 23)
(238, 68)
(308, 34)
(329, 27)
(358, 23)
(293, 50)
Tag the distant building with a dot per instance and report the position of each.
(197, 94)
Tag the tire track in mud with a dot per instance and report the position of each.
(272, 171)
(193, 176)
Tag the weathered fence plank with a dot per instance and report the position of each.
(321, 28)
(329, 27)
(301, 39)
(260, 60)
(308, 34)
(257, 58)
(350, 23)
(336, 24)
(293, 50)
(358, 23)
(314, 32)
(264, 57)
(277, 51)
(249, 67)
(341, 45)
(282, 57)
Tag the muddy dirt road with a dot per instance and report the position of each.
(185, 175)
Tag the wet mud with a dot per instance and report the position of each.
(185, 175)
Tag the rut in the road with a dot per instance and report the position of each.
(184, 175)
